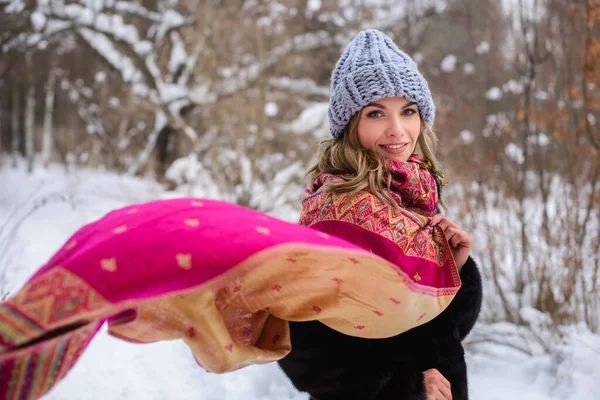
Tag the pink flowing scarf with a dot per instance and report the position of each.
(226, 279)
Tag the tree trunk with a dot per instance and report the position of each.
(160, 122)
(30, 116)
(48, 114)
(15, 124)
(2, 131)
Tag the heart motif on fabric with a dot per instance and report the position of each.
(263, 230)
(109, 264)
(192, 222)
(184, 260)
(120, 229)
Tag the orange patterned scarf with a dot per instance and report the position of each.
(402, 235)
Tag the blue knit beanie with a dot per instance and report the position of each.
(373, 67)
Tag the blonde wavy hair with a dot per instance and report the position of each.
(362, 168)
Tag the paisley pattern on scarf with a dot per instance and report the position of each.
(414, 189)
(413, 185)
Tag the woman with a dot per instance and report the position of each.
(380, 112)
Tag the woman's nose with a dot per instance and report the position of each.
(395, 127)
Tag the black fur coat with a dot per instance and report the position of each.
(333, 366)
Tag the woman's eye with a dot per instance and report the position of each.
(409, 111)
(375, 114)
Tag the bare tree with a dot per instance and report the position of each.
(30, 114)
(47, 139)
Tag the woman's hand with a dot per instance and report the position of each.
(460, 242)
(436, 386)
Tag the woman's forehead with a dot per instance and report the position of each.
(390, 102)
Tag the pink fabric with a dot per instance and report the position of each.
(432, 275)
(160, 232)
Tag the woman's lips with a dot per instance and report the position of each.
(395, 148)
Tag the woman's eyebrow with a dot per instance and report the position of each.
(412, 103)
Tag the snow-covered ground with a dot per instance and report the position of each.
(39, 212)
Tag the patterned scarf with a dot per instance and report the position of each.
(413, 185)
(400, 235)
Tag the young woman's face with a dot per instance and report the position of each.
(390, 126)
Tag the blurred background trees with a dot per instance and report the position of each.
(227, 99)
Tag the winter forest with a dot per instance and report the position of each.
(105, 103)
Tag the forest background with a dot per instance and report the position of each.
(227, 99)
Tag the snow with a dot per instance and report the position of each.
(225, 72)
(468, 69)
(313, 5)
(267, 183)
(513, 87)
(15, 7)
(271, 109)
(482, 48)
(38, 20)
(532, 10)
(188, 170)
(164, 370)
(114, 102)
(466, 136)
(137, 9)
(170, 19)
(591, 119)
(106, 48)
(169, 93)
(313, 119)
(131, 50)
(178, 53)
(515, 153)
(417, 57)
(201, 94)
(541, 95)
(142, 47)
(100, 76)
(43, 209)
(571, 372)
(300, 86)
(539, 140)
(493, 94)
(448, 63)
